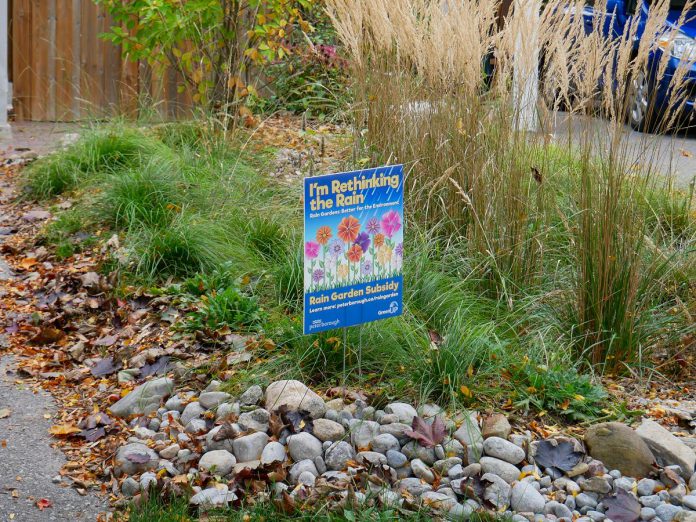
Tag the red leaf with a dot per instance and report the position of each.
(43, 503)
(428, 435)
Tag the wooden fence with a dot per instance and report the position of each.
(63, 71)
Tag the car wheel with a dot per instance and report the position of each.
(638, 102)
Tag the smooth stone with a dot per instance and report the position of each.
(469, 433)
(213, 399)
(249, 447)
(389, 498)
(443, 466)
(175, 403)
(294, 395)
(413, 450)
(212, 444)
(525, 498)
(128, 459)
(387, 418)
(304, 446)
(456, 472)
(558, 510)
(460, 512)
(619, 447)
(300, 467)
(337, 456)
(647, 513)
(583, 500)
(371, 458)
(596, 485)
(193, 410)
(170, 451)
(667, 449)
(503, 450)
(689, 501)
(328, 430)
(405, 412)
(597, 516)
(144, 399)
(397, 429)
(504, 470)
(497, 492)
(130, 487)
(273, 452)
(625, 483)
(667, 512)
(496, 425)
(651, 501)
(213, 386)
(320, 464)
(646, 487)
(196, 426)
(422, 471)
(384, 443)
(256, 420)
(252, 396)
(362, 433)
(219, 462)
(685, 516)
(414, 486)
(218, 496)
(438, 501)
(226, 410)
(692, 481)
(396, 459)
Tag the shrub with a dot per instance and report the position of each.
(227, 307)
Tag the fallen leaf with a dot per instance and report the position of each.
(63, 430)
(47, 335)
(622, 507)
(105, 367)
(428, 435)
(43, 504)
(562, 456)
(108, 340)
(158, 367)
(4, 413)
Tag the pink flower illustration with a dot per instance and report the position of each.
(311, 249)
(391, 223)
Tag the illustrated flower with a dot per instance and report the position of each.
(355, 253)
(384, 255)
(372, 226)
(311, 249)
(366, 267)
(391, 223)
(378, 240)
(348, 229)
(342, 271)
(318, 275)
(399, 250)
(323, 235)
(363, 240)
(336, 248)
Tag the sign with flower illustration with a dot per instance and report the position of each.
(353, 247)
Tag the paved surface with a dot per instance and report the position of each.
(670, 155)
(40, 137)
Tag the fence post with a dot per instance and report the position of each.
(5, 130)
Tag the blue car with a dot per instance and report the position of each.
(648, 96)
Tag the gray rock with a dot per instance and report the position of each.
(503, 450)
(371, 458)
(692, 482)
(405, 412)
(646, 487)
(296, 396)
(219, 462)
(456, 472)
(647, 513)
(384, 443)
(443, 466)
(667, 448)
(320, 464)
(212, 444)
(226, 410)
(144, 399)
(256, 420)
(362, 433)
(461, 512)
(306, 478)
(413, 450)
(396, 459)
(389, 498)
(597, 516)
(685, 516)
(497, 492)
(249, 447)
(504, 470)
(422, 471)
(526, 499)
(558, 510)
(469, 433)
(328, 430)
(175, 403)
(252, 396)
(170, 451)
(338, 455)
(196, 426)
(625, 483)
(192, 411)
(438, 501)
(397, 429)
(302, 467)
(148, 480)
(414, 486)
(667, 512)
(651, 501)
(134, 458)
(596, 485)
(619, 447)
(304, 446)
(496, 425)
(273, 452)
(218, 496)
(689, 501)
(583, 500)
(213, 399)
(213, 386)
(130, 487)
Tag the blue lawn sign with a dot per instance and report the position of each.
(353, 247)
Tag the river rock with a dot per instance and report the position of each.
(218, 462)
(273, 452)
(337, 455)
(213, 399)
(304, 446)
(212, 444)
(496, 425)
(619, 447)
(328, 430)
(256, 420)
(252, 396)
(497, 492)
(405, 412)
(134, 458)
(363, 432)
(192, 411)
(296, 396)
(503, 450)
(303, 466)
(218, 496)
(524, 498)
(667, 512)
(384, 443)
(422, 471)
(249, 447)
(667, 448)
(144, 399)
(504, 470)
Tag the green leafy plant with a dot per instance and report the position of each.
(228, 307)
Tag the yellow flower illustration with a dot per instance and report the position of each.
(342, 271)
(384, 255)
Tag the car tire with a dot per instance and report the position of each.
(638, 103)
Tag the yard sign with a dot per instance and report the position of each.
(353, 247)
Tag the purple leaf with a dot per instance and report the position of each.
(428, 435)
(138, 458)
(622, 507)
(105, 367)
(156, 368)
(561, 457)
(93, 434)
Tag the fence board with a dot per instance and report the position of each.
(22, 58)
(40, 43)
